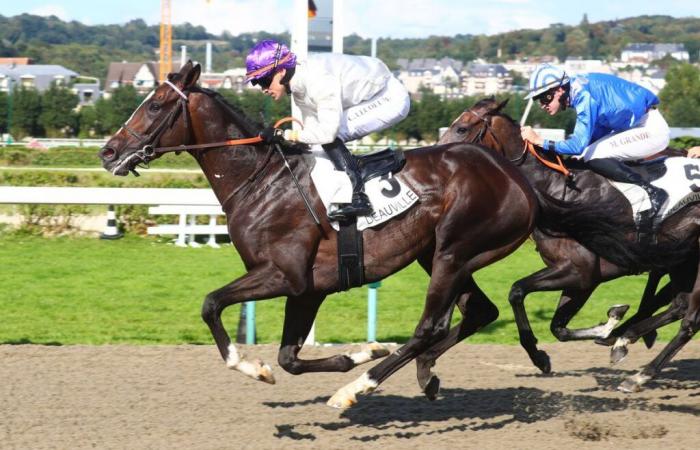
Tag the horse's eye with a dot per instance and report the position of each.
(462, 130)
(154, 107)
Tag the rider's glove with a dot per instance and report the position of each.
(271, 135)
(291, 135)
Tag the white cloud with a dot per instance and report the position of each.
(51, 10)
(234, 16)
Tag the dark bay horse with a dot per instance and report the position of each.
(583, 252)
(474, 208)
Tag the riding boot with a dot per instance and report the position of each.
(344, 160)
(617, 170)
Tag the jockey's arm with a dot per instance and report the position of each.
(694, 152)
(586, 112)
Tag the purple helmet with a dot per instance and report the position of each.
(266, 57)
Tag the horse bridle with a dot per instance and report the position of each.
(486, 128)
(149, 142)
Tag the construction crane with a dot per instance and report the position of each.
(166, 40)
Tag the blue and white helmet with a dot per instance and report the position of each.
(544, 78)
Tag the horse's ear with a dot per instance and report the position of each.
(190, 76)
(501, 105)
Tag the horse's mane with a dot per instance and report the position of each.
(249, 126)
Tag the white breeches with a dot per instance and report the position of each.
(650, 136)
(385, 109)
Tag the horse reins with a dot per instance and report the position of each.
(529, 147)
(149, 150)
(558, 166)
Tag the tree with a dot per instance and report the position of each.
(680, 98)
(26, 109)
(57, 116)
(121, 105)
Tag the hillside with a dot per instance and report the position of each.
(89, 49)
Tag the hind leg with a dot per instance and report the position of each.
(300, 313)
(477, 312)
(689, 326)
(675, 312)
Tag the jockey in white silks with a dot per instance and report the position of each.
(341, 98)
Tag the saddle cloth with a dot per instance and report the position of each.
(679, 177)
(388, 194)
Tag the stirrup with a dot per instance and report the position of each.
(359, 207)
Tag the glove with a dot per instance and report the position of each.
(271, 135)
(291, 135)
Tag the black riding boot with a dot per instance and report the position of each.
(344, 160)
(616, 170)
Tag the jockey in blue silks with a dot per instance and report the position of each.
(616, 121)
(340, 97)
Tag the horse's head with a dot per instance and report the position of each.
(484, 124)
(162, 119)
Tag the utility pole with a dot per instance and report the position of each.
(9, 109)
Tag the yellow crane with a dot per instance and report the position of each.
(166, 40)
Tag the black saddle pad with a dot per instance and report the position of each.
(380, 163)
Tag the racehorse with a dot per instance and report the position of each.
(593, 241)
(474, 208)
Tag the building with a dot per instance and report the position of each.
(19, 61)
(485, 79)
(142, 76)
(575, 65)
(526, 66)
(652, 79)
(639, 53)
(441, 76)
(35, 76)
(88, 93)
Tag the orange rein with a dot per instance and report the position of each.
(258, 139)
(558, 167)
(230, 142)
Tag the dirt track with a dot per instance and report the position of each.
(182, 397)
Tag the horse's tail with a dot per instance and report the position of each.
(599, 228)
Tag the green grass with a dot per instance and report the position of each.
(136, 290)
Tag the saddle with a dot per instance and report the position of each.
(380, 163)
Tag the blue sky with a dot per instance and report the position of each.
(380, 18)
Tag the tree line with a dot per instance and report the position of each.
(88, 49)
(55, 114)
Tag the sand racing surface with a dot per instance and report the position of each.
(183, 397)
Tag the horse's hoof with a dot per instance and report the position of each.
(607, 342)
(542, 361)
(650, 338)
(432, 388)
(376, 350)
(617, 312)
(265, 374)
(342, 400)
(617, 354)
(629, 386)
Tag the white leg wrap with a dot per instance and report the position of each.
(621, 342)
(368, 352)
(346, 396)
(233, 357)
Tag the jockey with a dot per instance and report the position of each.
(341, 98)
(616, 121)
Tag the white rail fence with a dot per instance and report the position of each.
(187, 204)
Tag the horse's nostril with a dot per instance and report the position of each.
(108, 154)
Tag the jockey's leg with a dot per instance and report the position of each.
(343, 159)
(616, 170)
(650, 136)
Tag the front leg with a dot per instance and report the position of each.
(547, 279)
(261, 282)
(299, 316)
